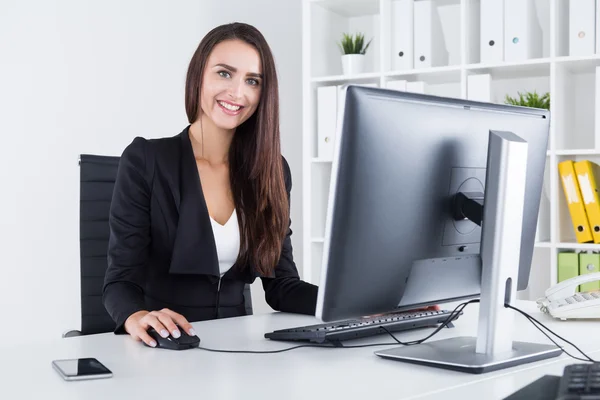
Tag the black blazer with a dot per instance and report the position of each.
(161, 250)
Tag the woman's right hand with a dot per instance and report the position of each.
(164, 322)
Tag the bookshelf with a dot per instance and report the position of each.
(570, 80)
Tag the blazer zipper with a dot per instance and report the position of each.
(218, 298)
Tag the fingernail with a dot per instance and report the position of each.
(176, 334)
(164, 333)
(153, 343)
(192, 332)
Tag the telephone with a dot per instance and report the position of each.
(562, 301)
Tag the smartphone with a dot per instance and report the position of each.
(78, 369)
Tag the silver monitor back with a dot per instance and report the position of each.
(391, 241)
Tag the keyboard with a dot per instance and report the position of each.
(580, 381)
(362, 327)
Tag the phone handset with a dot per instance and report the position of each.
(569, 287)
(563, 301)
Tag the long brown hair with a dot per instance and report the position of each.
(255, 161)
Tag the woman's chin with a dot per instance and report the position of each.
(228, 124)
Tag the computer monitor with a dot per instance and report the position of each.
(392, 240)
(407, 167)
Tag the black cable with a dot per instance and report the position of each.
(531, 319)
(326, 346)
(459, 309)
(535, 323)
(559, 346)
(449, 319)
(261, 352)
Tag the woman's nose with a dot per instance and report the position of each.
(236, 89)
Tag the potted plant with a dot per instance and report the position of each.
(353, 50)
(530, 99)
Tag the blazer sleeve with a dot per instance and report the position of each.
(129, 241)
(286, 292)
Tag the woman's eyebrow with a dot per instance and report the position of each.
(233, 69)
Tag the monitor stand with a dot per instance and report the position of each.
(493, 348)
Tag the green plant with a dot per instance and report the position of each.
(353, 44)
(530, 99)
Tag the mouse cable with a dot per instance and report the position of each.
(535, 323)
(339, 345)
(325, 346)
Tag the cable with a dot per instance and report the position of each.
(535, 323)
(330, 346)
(459, 309)
(449, 319)
(531, 319)
(260, 352)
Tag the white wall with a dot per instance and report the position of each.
(86, 77)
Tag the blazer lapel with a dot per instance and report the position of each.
(194, 250)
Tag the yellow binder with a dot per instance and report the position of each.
(588, 174)
(572, 192)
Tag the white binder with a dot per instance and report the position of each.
(582, 33)
(397, 85)
(597, 109)
(402, 34)
(326, 120)
(430, 48)
(522, 31)
(542, 232)
(416, 87)
(597, 12)
(492, 31)
(479, 87)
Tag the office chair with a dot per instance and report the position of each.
(97, 181)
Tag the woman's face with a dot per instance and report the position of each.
(231, 84)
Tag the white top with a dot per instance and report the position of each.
(227, 240)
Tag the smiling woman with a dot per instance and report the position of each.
(196, 216)
(230, 84)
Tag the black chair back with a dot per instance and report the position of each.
(97, 180)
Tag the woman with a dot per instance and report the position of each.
(196, 216)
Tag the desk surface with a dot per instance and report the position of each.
(146, 373)
(500, 386)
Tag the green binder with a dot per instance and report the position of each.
(588, 263)
(568, 266)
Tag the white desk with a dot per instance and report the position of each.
(501, 386)
(145, 373)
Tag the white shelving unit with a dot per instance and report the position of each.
(570, 80)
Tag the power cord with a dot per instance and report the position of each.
(449, 319)
(531, 319)
(535, 323)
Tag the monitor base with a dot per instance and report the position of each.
(459, 354)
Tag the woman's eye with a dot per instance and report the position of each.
(224, 74)
(253, 82)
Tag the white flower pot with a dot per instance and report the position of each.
(353, 64)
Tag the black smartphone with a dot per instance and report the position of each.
(78, 369)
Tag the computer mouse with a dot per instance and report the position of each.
(184, 342)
